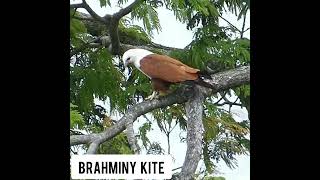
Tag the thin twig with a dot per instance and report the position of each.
(243, 24)
(222, 96)
(230, 23)
(177, 168)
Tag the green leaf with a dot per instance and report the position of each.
(133, 34)
(76, 119)
(206, 158)
(76, 27)
(117, 145)
(149, 17)
(103, 3)
(143, 134)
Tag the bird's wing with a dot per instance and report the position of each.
(167, 68)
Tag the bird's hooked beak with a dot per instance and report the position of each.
(126, 64)
(126, 69)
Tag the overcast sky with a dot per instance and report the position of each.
(174, 34)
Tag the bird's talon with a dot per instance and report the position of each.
(152, 96)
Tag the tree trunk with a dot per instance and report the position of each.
(194, 109)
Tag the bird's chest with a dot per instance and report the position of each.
(138, 66)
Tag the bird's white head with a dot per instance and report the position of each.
(133, 56)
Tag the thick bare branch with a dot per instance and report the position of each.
(84, 19)
(91, 12)
(82, 139)
(105, 41)
(118, 15)
(113, 27)
(114, 36)
(228, 79)
(194, 109)
(131, 138)
(93, 147)
(221, 81)
(110, 21)
(113, 33)
(85, 5)
(76, 6)
(151, 47)
(135, 111)
(166, 48)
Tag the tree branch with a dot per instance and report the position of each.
(229, 103)
(105, 41)
(221, 81)
(243, 24)
(123, 47)
(246, 29)
(135, 111)
(84, 19)
(110, 21)
(177, 168)
(95, 43)
(113, 27)
(93, 147)
(76, 6)
(114, 36)
(118, 15)
(91, 12)
(222, 95)
(194, 109)
(234, 77)
(131, 138)
(230, 24)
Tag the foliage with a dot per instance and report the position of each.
(117, 145)
(76, 119)
(149, 17)
(104, 3)
(243, 92)
(133, 34)
(224, 138)
(95, 75)
(155, 149)
(143, 134)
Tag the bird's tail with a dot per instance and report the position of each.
(200, 80)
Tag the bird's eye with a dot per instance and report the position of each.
(128, 59)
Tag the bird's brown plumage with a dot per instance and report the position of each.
(167, 69)
(164, 70)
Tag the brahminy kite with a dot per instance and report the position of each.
(162, 70)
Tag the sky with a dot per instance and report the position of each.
(175, 34)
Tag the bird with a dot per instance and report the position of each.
(162, 70)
